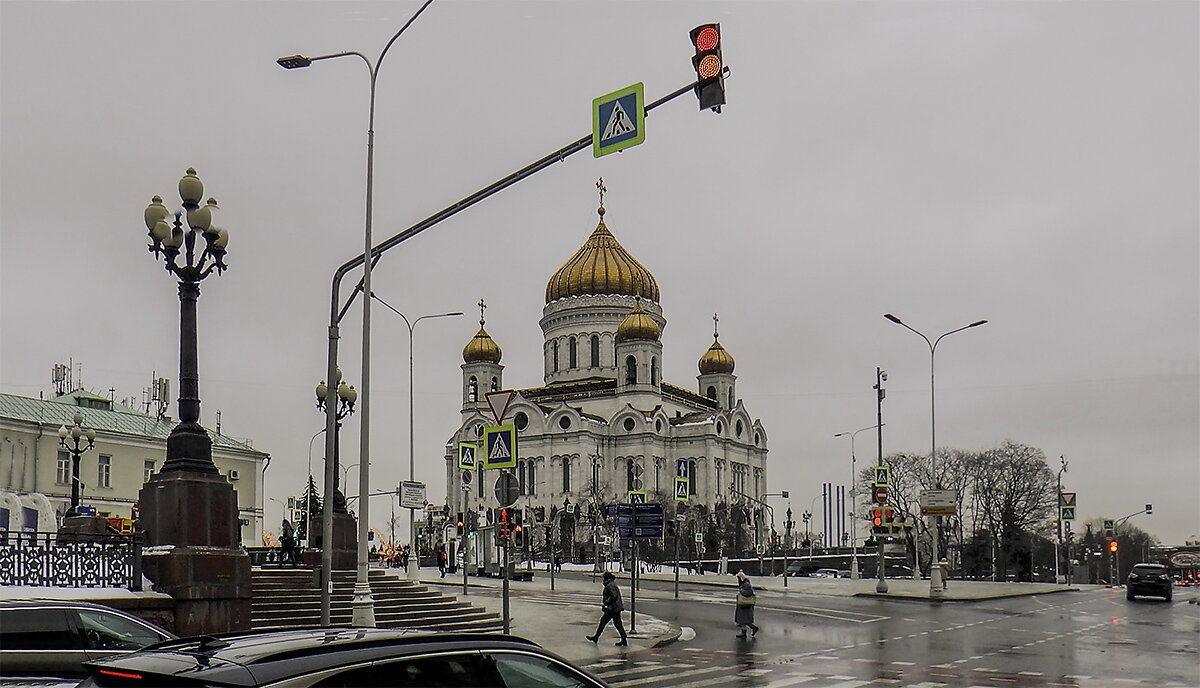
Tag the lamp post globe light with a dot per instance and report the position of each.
(936, 588)
(77, 433)
(345, 396)
(854, 499)
(363, 606)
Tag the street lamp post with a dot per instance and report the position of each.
(1058, 518)
(77, 433)
(412, 325)
(935, 568)
(854, 499)
(363, 607)
(345, 395)
(308, 496)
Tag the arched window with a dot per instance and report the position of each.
(573, 354)
(521, 477)
(629, 477)
(693, 478)
(730, 397)
(654, 371)
(711, 393)
(472, 389)
(495, 385)
(631, 371)
(595, 351)
(566, 470)
(554, 344)
(531, 486)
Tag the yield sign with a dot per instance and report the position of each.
(498, 402)
(1066, 499)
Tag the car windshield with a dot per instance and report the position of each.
(1148, 570)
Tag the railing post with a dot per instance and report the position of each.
(135, 584)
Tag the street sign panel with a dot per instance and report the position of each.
(699, 538)
(466, 477)
(681, 468)
(466, 455)
(882, 476)
(508, 489)
(618, 120)
(761, 549)
(637, 497)
(498, 402)
(1067, 513)
(500, 446)
(939, 502)
(681, 489)
(1066, 499)
(881, 494)
(412, 494)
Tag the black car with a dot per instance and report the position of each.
(326, 657)
(55, 637)
(1148, 579)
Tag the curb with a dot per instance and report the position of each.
(982, 598)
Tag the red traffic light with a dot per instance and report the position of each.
(710, 68)
(707, 38)
(1112, 546)
(878, 516)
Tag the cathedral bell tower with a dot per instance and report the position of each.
(482, 372)
(716, 378)
(638, 351)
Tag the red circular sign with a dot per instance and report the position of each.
(881, 494)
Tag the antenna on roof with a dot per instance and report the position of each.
(60, 376)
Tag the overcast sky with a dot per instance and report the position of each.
(1036, 164)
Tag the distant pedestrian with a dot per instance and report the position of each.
(287, 543)
(612, 606)
(744, 615)
(404, 557)
(441, 557)
(557, 562)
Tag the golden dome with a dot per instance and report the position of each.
(716, 360)
(602, 266)
(638, 326)
(482, 348)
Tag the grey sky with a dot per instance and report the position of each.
(1032, 163)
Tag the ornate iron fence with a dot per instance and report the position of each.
(71, 561)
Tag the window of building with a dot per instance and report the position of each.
(147, 470)
(472, 389)
(693, 478)
(738, 429)
(573, 354)
(555, 355)
(521, 420)
(532, 484)
(630, 478)
(521, 482)
(566, 474)
(711, 392)
(654, 371)
(730, 397)
(629, 425)
(630, 371)
(564, 423)
(595, 351)
(495, 385)
(596, 474)
(62, 475)
(104, 471)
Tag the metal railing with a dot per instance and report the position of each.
(111, 560)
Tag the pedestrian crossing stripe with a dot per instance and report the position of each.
(681, 489)
(466, 455)
(500, 443)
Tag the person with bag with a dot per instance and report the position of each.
(744, 615)
(612, 606)
(287, 543)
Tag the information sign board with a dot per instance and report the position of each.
(412, 494)
(939, 502)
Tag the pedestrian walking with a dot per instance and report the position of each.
(404, 557)
(287, 541)
(612, 606)
(743, 616)
(441, 557)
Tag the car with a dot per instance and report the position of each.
(326, 657)
(1148, 579)
(54, 637)
(826, 573)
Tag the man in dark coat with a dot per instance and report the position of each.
(612, 606)
(743, 616)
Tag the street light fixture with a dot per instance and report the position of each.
(412, 325)
(935, 567)
(77, 433)
(363, 607)
(346, 395)
(854, 498)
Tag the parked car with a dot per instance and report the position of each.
(55, 637)
(324, 657)
(1148, 579)
(826, 573)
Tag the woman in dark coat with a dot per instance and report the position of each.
(744, 616)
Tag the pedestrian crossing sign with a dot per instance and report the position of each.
(881, 476)
(500, 446)
(637, 497)
(1068, 513)
(466, 456)
(618, 120)
(681, 489)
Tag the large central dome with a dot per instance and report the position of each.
(602, 266)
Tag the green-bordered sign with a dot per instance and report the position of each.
(618, 120)
(637, 497)
(882, 477)
(500, 446)
(466, 455)
(681, 489)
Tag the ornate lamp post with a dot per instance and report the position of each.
(854, 516)
(346, 396)
(188, 447)
(77, 433)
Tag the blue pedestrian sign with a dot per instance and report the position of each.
(500, 446)
(466, 455)
(618, 120)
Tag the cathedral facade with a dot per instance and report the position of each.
(604, 423)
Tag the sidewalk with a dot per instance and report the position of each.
(560, 620)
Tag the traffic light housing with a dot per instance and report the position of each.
(505, 524)
(710, 68)
(460, 524)
(876, 520)
(1112, 546)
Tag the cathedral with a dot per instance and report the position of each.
(604, 423)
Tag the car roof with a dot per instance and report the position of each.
(1146, 565)
(45, 603)
(248, 658)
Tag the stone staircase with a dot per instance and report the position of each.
(287, 598)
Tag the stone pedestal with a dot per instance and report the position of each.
(345, 544)
(193, 550)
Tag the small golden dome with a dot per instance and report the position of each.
(602, 266)
(638, 326)
(482, 348)
(716, 360)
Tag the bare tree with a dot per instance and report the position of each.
(1016, 494)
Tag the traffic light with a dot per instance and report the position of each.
(460, 524)
(1112, 546)
(669, 527)
(889, 518)
(876, 520)
(505, 525)
(518, 536)
(710, 69)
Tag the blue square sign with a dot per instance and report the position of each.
(618, 120)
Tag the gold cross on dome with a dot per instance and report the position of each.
(482, 307)
(715, 320)
(600, 186)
